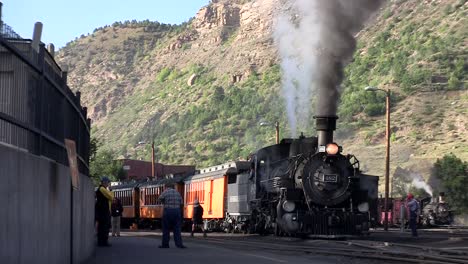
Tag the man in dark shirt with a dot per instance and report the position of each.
(102, 212)
(197, 217)
(116, 213)
(413, 207)
(172, 216)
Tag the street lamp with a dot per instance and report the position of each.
(276, 128)
(387, 156)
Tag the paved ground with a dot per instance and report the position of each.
(139, 246)
(134, 247)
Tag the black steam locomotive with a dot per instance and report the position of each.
(304, 186)
(435, 211)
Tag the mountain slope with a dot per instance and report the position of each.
(200, 89)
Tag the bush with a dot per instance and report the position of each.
(388, 13)
(163, 74)
(454, 83)
(453, 172)
(374, 109)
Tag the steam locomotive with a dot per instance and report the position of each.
(436, 211)
(433, 212)
(304, 186)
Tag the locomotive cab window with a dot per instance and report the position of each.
(232, 178)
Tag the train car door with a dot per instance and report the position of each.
(210, 210)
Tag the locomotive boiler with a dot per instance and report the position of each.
(306, 186)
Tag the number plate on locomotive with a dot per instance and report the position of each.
(330, 178)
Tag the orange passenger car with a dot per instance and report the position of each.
(151, 209)
(129, 197)
(210, 188)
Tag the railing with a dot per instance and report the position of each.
(7, 32)
(37, 109)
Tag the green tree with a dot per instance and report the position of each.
(453, 173)
(103, 163)
(94, 144)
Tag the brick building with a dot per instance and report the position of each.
(140, 169)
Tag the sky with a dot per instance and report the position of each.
(64, 20)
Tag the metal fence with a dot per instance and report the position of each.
(37, 109)
(6, 31)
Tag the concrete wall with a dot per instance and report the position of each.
(35, 211)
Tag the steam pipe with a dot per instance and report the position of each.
(325, 126)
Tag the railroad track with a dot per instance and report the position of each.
(401, 253)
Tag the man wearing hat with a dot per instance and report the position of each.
(104, 198)
(413, 208)
(172, 216)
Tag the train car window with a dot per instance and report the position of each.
(129, 197)
(149, 195)
(200, 193)
(232, 178)
(191, 193)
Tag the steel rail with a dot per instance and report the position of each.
(369, 254)
(424, 248)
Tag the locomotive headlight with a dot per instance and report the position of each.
(332, 149)
(289, 206)
(363, 207)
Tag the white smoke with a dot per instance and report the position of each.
(461, 220)
(315, 41)
(421, 184)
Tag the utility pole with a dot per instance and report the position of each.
(387, 152)
(387, 158)
(152, 160)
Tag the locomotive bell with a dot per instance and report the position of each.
(325, 126)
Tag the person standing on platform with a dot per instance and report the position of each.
(104, 199)
(172, 216)
(413, 207)
(197, 217)
(116, 213)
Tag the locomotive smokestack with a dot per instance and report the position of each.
(325, 127)
(441, 197)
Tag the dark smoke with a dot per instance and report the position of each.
(315, 39)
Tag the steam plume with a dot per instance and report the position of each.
(315, 39)
(461, 220)
(419, 183)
